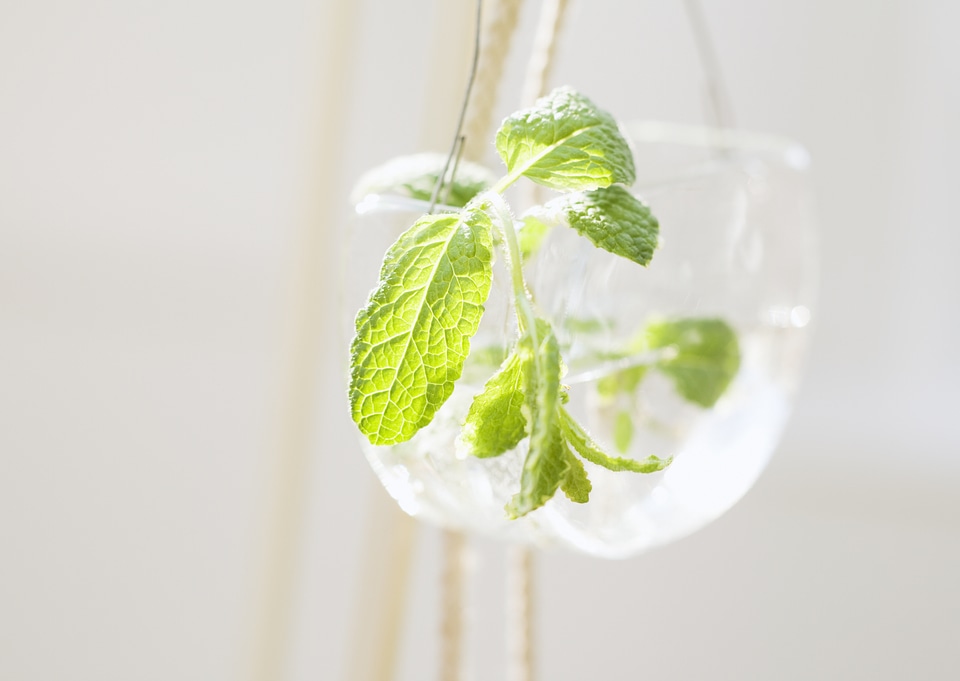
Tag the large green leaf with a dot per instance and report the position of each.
(613, 219)
(565, 142)
(414, 333)
(706, 356)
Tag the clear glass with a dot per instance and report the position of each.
(737, 242)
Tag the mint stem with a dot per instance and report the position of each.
(526, 318)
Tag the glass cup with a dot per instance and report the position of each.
(737, 243)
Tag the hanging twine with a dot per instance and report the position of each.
(452, 617)
(498, 29)
(520, 604)
(520, 568)
(476, 121)
(540, 66)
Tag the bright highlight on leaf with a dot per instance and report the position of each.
(414, 333)
(565, 142)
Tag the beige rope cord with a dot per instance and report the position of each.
(520, 604)
(452, 599)
(498, 29)
(521, 660)
(494, 45)
(540, 66)
(305, 340)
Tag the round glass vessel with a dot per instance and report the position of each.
(737, 244)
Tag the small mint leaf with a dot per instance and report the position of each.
(414, 332)
(576, 485)
(565, 142)
(416, 176)
(622, 431)
(621, 381)
(612, 219)
(495, 422)
(545, 465)
(531, 234)
(707, 356)
(590, 450)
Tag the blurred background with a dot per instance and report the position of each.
(167, 170)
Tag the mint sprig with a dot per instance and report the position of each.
(413, 335)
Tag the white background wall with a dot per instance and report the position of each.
(154, 171)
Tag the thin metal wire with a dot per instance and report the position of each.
(453, 171)
(463, 109)
(451, 626)
(500, 24)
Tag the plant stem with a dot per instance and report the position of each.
(526, 319)
(504, 183)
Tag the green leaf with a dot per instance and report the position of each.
(416, 176)
(565, 142)
(590, 450)
(706, 358)
(545, 465)
(482, 362)
(576, 485)
(414, 333)
(495, 422)
(622, 431)
(612, 219)
(531, 234)
(586, 324)
(621, 381)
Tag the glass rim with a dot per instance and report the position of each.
(790, 152)
(794, 154)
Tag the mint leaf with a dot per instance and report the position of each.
(416, 176)
(576, 485)
(706, 360)
(621, 381)
(482, 362)
(565, 142)
(531, 234)
(414, 333)
(622, 431)
(613, 219)
(545, 465)
(586, 325)
(589, 450)
(495, 422)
